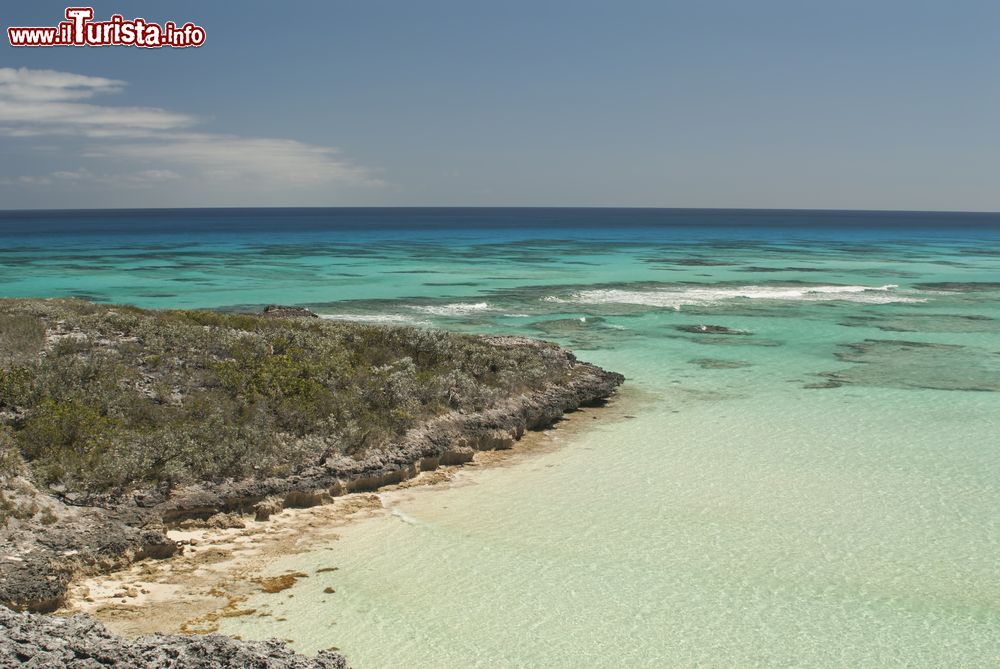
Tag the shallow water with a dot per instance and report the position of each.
(815, 483)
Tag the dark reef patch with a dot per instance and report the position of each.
(711, 330)
(567, 325)
(917, 322)
(735, 341)
(450, 283)
(699, 262)
(718, 363)
(897, 363)
(583, 333)
(756, 269)
(90, 297)
(960, 286)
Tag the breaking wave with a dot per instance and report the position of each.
(389, 319)
(456, 309)
(675, 298)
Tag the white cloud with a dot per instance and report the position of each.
(46, 101)
(51, 85)
(25, 180)
(157, 142)
(142, 177)
(84, 176)
(227, 157)
(84, 118)
(151, 176)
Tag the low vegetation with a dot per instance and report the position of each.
(104, 399)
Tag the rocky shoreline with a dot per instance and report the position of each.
(80, 642)
(47, 554)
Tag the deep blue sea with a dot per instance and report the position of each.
(802, 470)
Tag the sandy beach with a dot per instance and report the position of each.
(225, 560)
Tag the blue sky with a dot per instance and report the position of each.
(880, 105)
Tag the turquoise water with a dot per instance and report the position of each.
(817, 484)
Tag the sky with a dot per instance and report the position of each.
(883, 104)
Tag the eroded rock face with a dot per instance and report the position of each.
(450, 439)
(81, 642)
(41, 555)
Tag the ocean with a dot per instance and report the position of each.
(803, 468)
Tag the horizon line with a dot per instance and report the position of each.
(28, 210)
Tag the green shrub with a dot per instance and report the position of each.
(11, 464)
(15, 387)
(21, 337)
(65, 438)
(135, 398)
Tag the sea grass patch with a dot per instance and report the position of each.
(920, 322)
(725, 340)
(718, 363)
(960, 286)
(898, 363)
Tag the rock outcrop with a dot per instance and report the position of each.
(80, 642)
(40, 557)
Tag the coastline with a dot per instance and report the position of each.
(71, 549)
(79, 536)
(218, 568)
(828, 516)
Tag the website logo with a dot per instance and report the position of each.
(80, 29)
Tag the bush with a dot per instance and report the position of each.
(21, 337)
(127, 398)
(66, 439)
(15, 387)
(11, 464)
